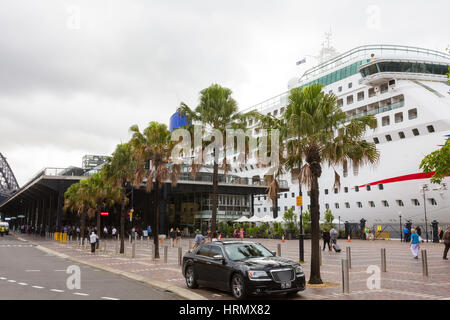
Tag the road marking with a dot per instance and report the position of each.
(56, 290)
(80, 294)
(32, 270)
(108, 298)
(12, 281)
(23, 283)
(2, 278)
(59, 270)
(38, 287)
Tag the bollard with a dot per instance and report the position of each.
(345, 277)
(142, 240)
(165, 253)
(349, 257)
(180, 256)
(153, 251)
(148, 242)
(116, 246)
(133, 250)
(383, 260)
(279, 249)
(130, 238)
(105, 246)
(424, 263)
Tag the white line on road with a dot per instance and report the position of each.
(38, 287)
(2, 278)
(80, 294)
(59, 270)
(108, 298)
(56, 290)
(32, 270)
(11, 280)
(23, 283)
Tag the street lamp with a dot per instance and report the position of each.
(423, 191)
(401, 229)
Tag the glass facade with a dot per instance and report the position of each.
(396, 66)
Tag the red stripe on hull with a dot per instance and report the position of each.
(414, 176)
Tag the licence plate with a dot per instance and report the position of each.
(285, 285)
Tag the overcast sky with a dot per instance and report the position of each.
(75, 75)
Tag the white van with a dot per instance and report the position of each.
(6, 225)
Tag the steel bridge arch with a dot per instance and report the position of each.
(8, 182)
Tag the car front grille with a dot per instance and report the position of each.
(282, 275)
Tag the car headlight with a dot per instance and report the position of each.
(298, 270)
(255, 275)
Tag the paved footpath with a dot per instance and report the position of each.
(402, 281)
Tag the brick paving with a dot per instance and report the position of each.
(402, 281)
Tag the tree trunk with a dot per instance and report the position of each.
(122, 227)
(214, 196)
(98, 229)
(315, 233)
(156, 220)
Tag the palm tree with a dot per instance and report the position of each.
(216, 110)
(119, 172)
(151, 150)
(318, 134)
(78, 200)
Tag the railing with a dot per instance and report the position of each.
(377, 111)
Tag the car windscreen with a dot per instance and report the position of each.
(241, 251)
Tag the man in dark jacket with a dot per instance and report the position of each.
(446, 239)
(326, 239)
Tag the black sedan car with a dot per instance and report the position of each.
(242, 267)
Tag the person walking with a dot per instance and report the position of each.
(406, 234)
(93, 240)
(149, 230)
(446, 238)
(415, 244)
(326, 239)
(241, 233)
(333, 236)
(419, 232)
(236, 233)
(105, 232)
(198, 240)
(214, 237)
(441, 234)
(113, 232)
(173, 236)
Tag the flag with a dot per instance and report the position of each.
(301, 61)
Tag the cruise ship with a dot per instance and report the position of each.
(406, 89)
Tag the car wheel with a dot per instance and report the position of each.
(238, 287)
(191, 280)
(292, 293)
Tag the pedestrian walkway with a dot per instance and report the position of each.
(403, 279)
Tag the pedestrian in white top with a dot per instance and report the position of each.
(113, 232)
(93, 240)
(105, 232)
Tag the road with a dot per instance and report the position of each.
(27, 273)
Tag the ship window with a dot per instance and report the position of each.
(385, 121)
(401, 134)
(285, 195)
(376, 140)
(415, 131)
(371, 92)
(346, 189)
(281, 110)
(380, 186)
(368, 187)
(371, 204)
(336, 205)
(293, 195)
(385, 203)
(326, 191)
(350, 84)
(415, 202)
(327, 206)
(285, 208)
(350, 99)
(384, 88)
(347, 205)
(400, 203)
(359, 204)
(340, 89)
(388, 137)
(430, 129)
(360, 95)
(412, 114)
(340, 102)
(335, 190)
(398, 117)
(432, 201)
(356, 189)
(275, 112)
(265, 209)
